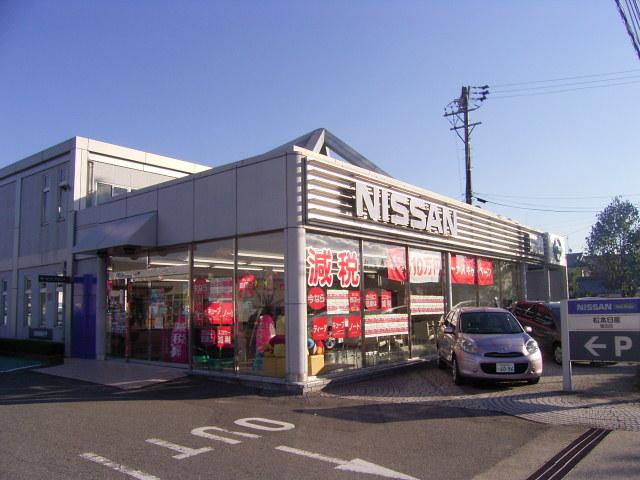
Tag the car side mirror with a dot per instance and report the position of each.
(528, 329)
(449, 329)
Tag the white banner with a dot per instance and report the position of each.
(337, 302)
(386, 324)
(424, 267)
(427, 305)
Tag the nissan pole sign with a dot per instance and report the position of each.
(599, 329)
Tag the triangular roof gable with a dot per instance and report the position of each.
(323, 141)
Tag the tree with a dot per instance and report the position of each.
(614, 247)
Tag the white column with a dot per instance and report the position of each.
(101, 307)
(295, 284)
(295, 306)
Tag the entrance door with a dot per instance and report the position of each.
(83, 326)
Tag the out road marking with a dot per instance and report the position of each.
(185, 452)
(92, 457)
(356, 465)
(202, 432)
(250, 423)
(240, 434)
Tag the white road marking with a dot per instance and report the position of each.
(280, 426)
(240, 434)
(202, 432)
(92, 457)
(185, 452)
(356, 465)
(316, 456)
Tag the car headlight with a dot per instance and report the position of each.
(531, 346)
(469, 346)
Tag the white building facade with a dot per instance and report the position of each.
(305, 262)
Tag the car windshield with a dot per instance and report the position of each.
(488, 323)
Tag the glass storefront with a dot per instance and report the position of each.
(260, 305)
(483, 282)
(427, 301)
(219, 305)
(334, 322)
(147, 307)
(213, 318)
(237, 320)
(386, 319)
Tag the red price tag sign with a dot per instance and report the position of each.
(355, 326)
(316, 298)
(337, 327)
(319, 328)
(224, 336)
(354, 300)
(385, 299)
(371, 300)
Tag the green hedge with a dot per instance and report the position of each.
(11, 346)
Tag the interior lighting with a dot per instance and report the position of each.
(212, 260)
(167, 264)
(261, 255)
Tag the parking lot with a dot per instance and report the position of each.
(604, 396)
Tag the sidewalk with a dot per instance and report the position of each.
(114, 373)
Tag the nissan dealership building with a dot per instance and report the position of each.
(304, 263)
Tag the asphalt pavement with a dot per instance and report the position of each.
(409, 424)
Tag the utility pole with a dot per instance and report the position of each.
(458, 113)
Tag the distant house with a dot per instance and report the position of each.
(582, 282)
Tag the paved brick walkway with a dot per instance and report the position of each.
(604, 397)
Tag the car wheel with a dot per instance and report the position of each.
(557, 354)
(441, 363)
(533, 381)
(455, 372)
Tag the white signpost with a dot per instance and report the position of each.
(599, 330)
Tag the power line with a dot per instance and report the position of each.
(544, 197)
(566, 90)
(566, 78)
(632, 12)
(560, 85)
(482, 200)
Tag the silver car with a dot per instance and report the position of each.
(487, 343)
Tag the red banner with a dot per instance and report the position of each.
(485, 272)
(319, 328)
(354, 300)
(200, 287)
(385, 299)
(247, 285)
(463, 270)
(337, 327)
(220, 313)
(225, 336)
(316, 298)
(396, 264)
(371, 300)
(355, 326)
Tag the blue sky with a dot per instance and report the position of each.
(217, 81)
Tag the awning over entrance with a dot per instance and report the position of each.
(139, 231)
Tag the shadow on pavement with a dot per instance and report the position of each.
(28, 387)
